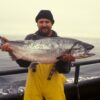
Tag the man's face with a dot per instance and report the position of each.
(44, 25)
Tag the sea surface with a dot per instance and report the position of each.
(11, 82)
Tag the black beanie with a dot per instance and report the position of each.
(45, 14)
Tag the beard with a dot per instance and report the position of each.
(45, 30)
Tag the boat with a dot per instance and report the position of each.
(78, 90)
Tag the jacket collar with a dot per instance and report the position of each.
(54, 34)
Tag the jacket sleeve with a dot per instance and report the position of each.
(63, 66)
(24, 63)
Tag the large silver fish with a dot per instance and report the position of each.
(47, 50)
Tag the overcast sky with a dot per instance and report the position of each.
(72, 17)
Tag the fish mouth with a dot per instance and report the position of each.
(87, 52)
(88, 55)
(88, 48)
(85, 55)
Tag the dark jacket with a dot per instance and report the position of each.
(38, 35)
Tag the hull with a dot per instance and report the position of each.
(88, 90)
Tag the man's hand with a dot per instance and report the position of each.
(6, 47)
(66, 57)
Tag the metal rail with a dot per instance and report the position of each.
(11, 72)
(76, 65)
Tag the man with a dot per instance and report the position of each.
(37, 84)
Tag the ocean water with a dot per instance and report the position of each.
(86, 72)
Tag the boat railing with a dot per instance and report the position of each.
(82, 63)
(75, 64)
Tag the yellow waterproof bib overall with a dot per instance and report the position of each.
(38, 86)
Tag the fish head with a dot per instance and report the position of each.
(87, 50)
(82, 50)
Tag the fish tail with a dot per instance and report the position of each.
(3, 40)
